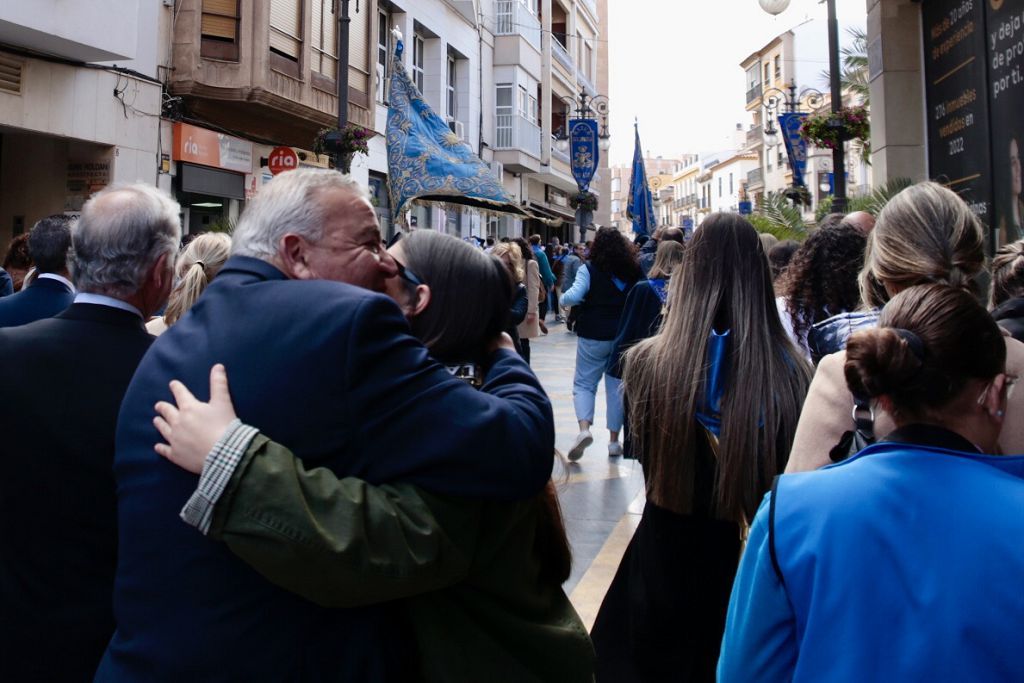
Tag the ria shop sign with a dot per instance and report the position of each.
(196, 145)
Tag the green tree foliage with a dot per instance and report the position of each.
(872, 203)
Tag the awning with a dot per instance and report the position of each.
(552, 212)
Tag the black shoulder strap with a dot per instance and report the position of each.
(771, 531)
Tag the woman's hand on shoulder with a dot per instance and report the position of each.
(192, 427)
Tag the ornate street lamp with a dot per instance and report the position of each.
(776, 101)
(774, 7)
(583, 136)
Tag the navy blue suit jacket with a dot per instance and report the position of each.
(43, 298)
(331, 371)
(58, 512)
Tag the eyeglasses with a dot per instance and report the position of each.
(1011, 382)
(407, 274)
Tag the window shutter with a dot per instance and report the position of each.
(220, 18)
(325, 41)
(359, 45)
(286, 27)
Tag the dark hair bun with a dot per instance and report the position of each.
(879, 361)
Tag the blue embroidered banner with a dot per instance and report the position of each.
(796, 146)
(427, 161)
(584, 150)
(640, 207)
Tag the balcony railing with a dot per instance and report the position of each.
(515, 132)
(755, 176)
(753, 93)
(562, 56)
(558, 154)
(513, 18)
(755, 136)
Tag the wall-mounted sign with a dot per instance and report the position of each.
(796, 146)
(210, 148)
(955, 54)
(282, 159)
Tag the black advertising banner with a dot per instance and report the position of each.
(957, 99)
(1004, 22)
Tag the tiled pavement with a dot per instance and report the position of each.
(601, 497)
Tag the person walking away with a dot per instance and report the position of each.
(197, 265)
(881, 568)
(58, 501)
(510, 255)
(1006, 299)
(572, 265)
(546, 276)
(558, 270)
(600, 292)
(530, 327)
(713, 401)
(51, 291)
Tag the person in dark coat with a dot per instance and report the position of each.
(58, 507)
(1007, 295)
(325, 363)
(50, 292)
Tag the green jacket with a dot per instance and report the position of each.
(478, 608)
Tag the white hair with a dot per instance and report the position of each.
(288, 204)
(122, 232)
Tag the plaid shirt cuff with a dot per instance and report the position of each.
(221, 463)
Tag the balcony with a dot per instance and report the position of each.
(755, 177)
(561, 56)
(754, 94)
(586, 83)
(81, 31)
(755, 136)
(512, 18)
(558, 154)
(517, 143)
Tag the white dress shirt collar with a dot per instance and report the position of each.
(59, 278)
(104, 300)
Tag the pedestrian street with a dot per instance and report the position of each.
(601, 497)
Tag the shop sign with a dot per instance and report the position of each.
(209, 148)
(955, 54)
(85, 178)
(282, 159)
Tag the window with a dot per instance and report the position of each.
(768, 159)
(616, 184)
(719, 186)
(286, 35)
(504, 113)
(325, 40)
(527, 105)
(730, 184)
(220, 29)
(615, 206)
(778, 67)
(383, 51)
(767, 73)
(753, 77)
(588, 58)
(452, 97)
(781, 160)
(417, 61)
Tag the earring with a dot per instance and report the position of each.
(1000, 413)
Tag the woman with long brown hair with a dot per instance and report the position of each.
(712, 402)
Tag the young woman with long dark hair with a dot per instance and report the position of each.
(599, 292)
(713, 401)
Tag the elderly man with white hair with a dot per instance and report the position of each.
(330, 369)
(58, 517)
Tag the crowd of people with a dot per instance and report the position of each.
(293, 453)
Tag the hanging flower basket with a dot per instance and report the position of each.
(831, 129)
(584, 200)
(351, 141)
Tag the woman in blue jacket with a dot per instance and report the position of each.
(902, 563)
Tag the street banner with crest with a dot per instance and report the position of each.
(583, 141)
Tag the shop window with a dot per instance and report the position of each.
(286, 36)
(219, 29)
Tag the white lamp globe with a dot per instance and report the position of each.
(773, 7)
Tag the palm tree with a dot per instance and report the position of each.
(853, 71)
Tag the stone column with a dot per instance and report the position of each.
(898, 135)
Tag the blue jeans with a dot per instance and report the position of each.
(591, 359)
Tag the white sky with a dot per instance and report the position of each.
(674, 64)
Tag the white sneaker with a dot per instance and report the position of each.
(614, 449)
(583, 439)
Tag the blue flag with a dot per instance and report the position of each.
(640, 207)
(427, 161)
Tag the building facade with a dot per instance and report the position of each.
(70, 121)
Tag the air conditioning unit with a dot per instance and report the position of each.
(497, 168)
(459, 129)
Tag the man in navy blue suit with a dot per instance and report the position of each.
(51, 291)
(69, 372)
(321, 362)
